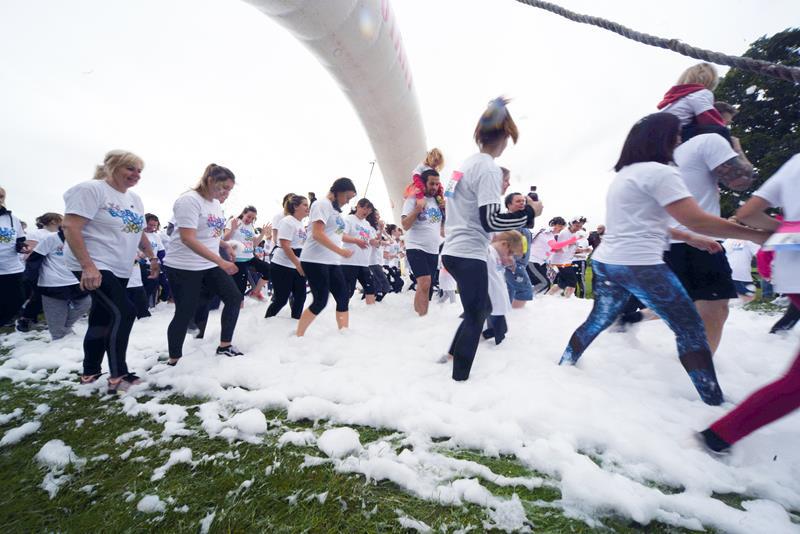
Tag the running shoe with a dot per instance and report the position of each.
(229, 351)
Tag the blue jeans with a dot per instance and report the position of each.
(657, 287)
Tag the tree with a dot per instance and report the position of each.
(768, 122)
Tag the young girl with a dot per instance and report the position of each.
(359, 237)
(288, 277)
(781, 397)
(322, 253)
(194, 266)
(241, 229)
(692, 101)
(504, 247)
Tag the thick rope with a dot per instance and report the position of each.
(782, 72)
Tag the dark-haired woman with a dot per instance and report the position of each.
(241, 229)
(288, 277)
(473, 211)
(322, 253)
(103, 227)
(359, 237)
(641, 199)
(194, 266)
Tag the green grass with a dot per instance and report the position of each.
(286, 500)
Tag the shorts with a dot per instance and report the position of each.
(567, 277)
(743, 288)
(422, 263)
(519, 285)
(704, 276)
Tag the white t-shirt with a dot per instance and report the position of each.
(637, 226)
(37, 234)
(375, 253)
(783, 190)
(583, 243)
(313, 251)
(360, 229)
(136, 276)
(191, 210)
(564, 255)
(116, 223)
(691, 105)
(477, 183)
(53, 272)
(498, 291)
(425, 233)
(10, 230)
(245, 234)
(292, 230)
(540, 250)
(156, 242)
(740, 257)
(696, 158)
(277, 218)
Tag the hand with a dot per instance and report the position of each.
(420, 205)
(300, 270)
(235, 222)
(536, 205)
(345, 252)
(229, 267)
(362, 244)
(704, 243)
(736, 144)
(760, 237)
(267, 230)
(91, 278)
(155, 270)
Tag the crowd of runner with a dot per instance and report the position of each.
(659, 255)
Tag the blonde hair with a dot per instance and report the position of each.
(703, 73)
(116, 159)
(434, 159)
(213, 174)
(513, 239)
(495, 124)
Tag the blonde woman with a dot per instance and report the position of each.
(104, 229)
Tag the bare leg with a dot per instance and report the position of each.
(714, 314)
(421, 295)
(342, 319)
(305, 320)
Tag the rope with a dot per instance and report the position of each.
(782, 72)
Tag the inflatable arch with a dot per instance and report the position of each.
(359, 42)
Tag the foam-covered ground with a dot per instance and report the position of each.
(615, 433)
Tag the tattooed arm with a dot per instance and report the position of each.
(736, 173)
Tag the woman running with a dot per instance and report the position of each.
(241, 229)
(473, 211)
(194, 266)
(103, 228)
(640, 201)
(322, 253)
(781, 397)
(288, 277)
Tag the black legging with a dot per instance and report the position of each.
(539, 273)
(13, 296)
(138, 297)
(192, 291)
(324, 279)
(111, 318)
(360, 273)
(286, 281)
(241, 276)
(472, 278)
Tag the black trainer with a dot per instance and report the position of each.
(229, 351)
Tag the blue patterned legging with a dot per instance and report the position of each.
(661, 291)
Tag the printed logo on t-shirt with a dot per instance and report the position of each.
(59, 251)
(451, 185)
(302, 235)
(248, 239)
(363, 233)
(339, 225)
(134, 222)
(8, 235)
(432, 214)
(217, 224)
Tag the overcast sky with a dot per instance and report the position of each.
(184, 83)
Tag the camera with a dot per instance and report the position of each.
(533, 194)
